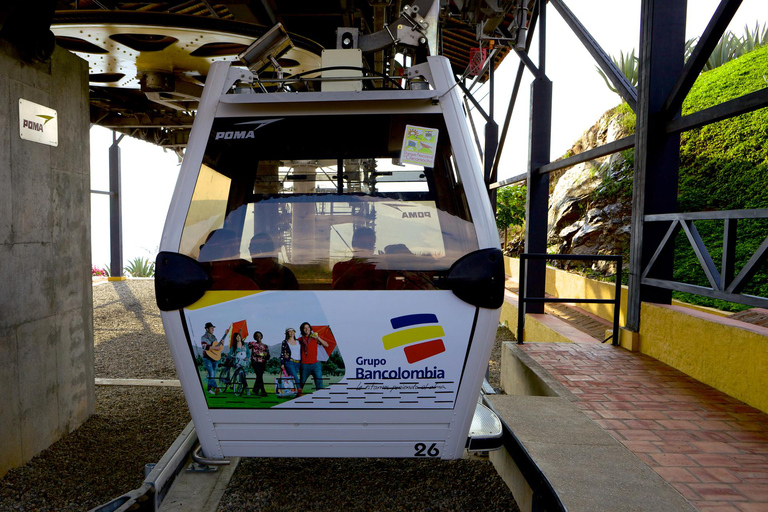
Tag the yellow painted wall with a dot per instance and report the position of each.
(534, 329)
(729, 358)
(512, 267)
(565, 284)
(539, 332)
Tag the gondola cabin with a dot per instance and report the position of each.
(330, 274)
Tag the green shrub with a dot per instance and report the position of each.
(724, 166)
(510, 206)
(140, 267)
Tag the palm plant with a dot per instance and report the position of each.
(689, 46)
(140, 267)
(729, 47)
(627, 64)
(752, 40)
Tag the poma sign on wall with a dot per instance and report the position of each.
(38, 123)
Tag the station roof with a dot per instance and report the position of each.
(148, 60)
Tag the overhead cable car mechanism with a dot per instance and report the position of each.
(330, 274)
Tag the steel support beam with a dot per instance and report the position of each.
(737, 106)
(625, 89)
(591, 154)
(115, 214)
(537, 200)
(491, 141)
(657, 154)
(513, 96)
(712, 34)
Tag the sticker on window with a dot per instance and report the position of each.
(419, 145)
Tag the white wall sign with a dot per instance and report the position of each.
(38, 123)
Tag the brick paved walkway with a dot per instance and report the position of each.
(712, 448)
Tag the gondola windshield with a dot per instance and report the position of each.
(325, 202)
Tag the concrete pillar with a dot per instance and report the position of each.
(46, 311)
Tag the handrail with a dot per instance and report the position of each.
(724, 283)
(616, 301)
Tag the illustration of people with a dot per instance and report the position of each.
(310, 342)
(211, 355)
(238, 351)
(290, 356)
(259, 358)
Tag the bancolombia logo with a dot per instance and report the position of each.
(421, 339)
(421, 336)
(243, 134)
(401, 374)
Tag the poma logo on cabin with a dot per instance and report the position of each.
(235, 135)
(32, 125)
(416, 215)
(245, 134)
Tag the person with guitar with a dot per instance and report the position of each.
(212, 349)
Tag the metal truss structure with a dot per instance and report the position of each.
(148, 59)
(665, 80)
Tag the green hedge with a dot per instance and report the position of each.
(724, 166)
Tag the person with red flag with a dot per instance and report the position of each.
(310, 341)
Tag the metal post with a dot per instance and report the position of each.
(115, 216)
(617, 305)
(729, 251)
(339, 175)
(657, 154)
(491, 141)
(521, 300)
(537, 200)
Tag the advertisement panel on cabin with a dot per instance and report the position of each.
(345, 350)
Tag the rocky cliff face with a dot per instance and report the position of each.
(590, 204)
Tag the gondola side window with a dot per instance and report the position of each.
(322, 202)
(207, 210)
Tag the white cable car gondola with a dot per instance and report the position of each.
(358, 220)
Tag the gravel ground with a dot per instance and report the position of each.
(102, 459)
(126, 321)
(133, 426)
(366, 485)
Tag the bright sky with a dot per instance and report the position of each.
(580, 98)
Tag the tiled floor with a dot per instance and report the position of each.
(712, 448)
